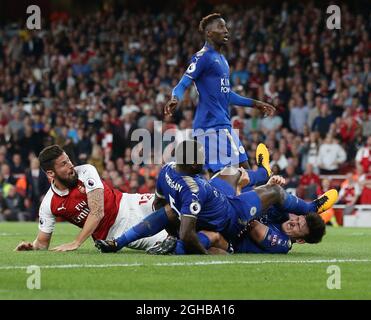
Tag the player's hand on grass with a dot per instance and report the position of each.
(66, 247)
(277, 180)
(24, 246)
(265, 108)
(170, 106)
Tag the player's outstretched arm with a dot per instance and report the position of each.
(177, 95)
(41, 242)
(96, 207)
(265, 108)
(189, 236)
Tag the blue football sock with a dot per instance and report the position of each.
(296, 205)
(204, 240)
(151, 225)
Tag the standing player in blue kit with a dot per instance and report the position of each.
(209, 71)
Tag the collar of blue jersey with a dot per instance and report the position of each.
(209, 46)
(59, 192)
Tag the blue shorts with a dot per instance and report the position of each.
(222, 148)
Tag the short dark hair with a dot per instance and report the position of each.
(205, 21)
(316, 226)
(48, 156)
(189, 152)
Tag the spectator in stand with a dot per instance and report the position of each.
(309, 182)
(83, 146)
(322, 123)
(292, 180)
(149, 186)
(17, 167)
(349, 193)
(279, 159)
(14, 206)
(37, 186)
(314, 111)
(271, 123)
(7, 175)
(97, 158)
(365, 184)
(298, 114)
(363, 157)
(330, 156)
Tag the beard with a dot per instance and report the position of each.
(70, 182)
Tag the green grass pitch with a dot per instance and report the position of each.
(88, 274)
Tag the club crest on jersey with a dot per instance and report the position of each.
(253, 211)
(274, 240)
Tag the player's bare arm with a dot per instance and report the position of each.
(41, 242)
(96, 207)
(189, 236)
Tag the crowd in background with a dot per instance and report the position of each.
(87, 83)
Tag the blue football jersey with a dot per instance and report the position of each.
(210, 72)
(194, 196)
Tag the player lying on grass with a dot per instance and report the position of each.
(273, 232)
(79, 196)
(200, 206)
(209, 71)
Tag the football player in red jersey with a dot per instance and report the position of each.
(78, 195)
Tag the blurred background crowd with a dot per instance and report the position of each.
(86, 82)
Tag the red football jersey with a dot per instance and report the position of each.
(72, 204)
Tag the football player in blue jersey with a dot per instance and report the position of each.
(273, 232)
(200, 206)
(209, 71)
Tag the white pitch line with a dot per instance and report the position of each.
(176, 264)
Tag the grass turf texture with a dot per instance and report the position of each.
(302, 274)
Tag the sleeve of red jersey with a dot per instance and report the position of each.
(46, 217)
(89, 176)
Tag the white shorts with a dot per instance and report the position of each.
(133, 209)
